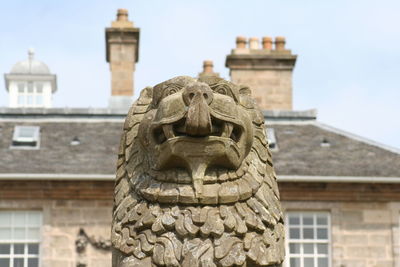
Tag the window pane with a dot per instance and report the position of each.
(4, 262)
(308, 233)
(308, 220)
(30, 87)
(39, 100)
(294, 262)
(18, 262)
(294, 220)
(322, 220)
(19, 248)
(308, 248)
(322, 248)
(294, 248)
(294, 233)
(322, 233)
(19, 217)
(19, 233)
(5, 249)
(21, 88)
(33, 233)
(34, 218)
(39, 87)
(308, 262)
(33, 262)
(5, 234)
(33, 249)
(29, 100)
(5, 218)
(322, 262)
(21, 100)
(24, 132)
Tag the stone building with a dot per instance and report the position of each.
(341, 192)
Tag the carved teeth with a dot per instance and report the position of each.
(227, 129)
(168, 131)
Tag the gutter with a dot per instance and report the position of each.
(56, 176)
(281, 178)
(338, 179)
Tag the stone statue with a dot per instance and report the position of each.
(195, 184)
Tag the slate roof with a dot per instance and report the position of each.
(298, 136)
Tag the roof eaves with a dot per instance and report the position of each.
(290, 115)
(18, 113)
(56, 176)
(338, 179)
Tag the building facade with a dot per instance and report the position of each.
(340, 192)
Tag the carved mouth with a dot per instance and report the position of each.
(219, 128)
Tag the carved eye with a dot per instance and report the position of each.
(221, 90)
(172, 90)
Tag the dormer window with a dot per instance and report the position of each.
(26, 137)
(271, 138)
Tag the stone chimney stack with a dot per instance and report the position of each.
(267, 70)
(122, 52)
(208, 69)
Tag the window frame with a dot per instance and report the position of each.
(302, 240)
(12, 241)
(17, 138)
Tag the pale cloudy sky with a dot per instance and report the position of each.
(348, 51)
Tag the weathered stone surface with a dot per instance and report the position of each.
(194, 186)
(268, 72)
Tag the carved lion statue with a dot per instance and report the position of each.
(195, 184)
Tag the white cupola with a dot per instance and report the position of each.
(30, 84)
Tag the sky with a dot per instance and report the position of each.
(348, 51)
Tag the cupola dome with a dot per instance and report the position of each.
(30, 66)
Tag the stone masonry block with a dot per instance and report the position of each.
(377, 216)
(358, 239)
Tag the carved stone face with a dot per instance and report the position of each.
(197, 126)
(195, 184)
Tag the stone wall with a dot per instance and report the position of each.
(272, 89)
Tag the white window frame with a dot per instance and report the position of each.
(301, 240)
(17, 138)
(26, 242)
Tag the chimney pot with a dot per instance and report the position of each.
(280, 43)
(122, 14)
(241, 42)
(208, 66)
(267, 43)
(254, 43)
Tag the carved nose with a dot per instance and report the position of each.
(197, 97)
(197, 92)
